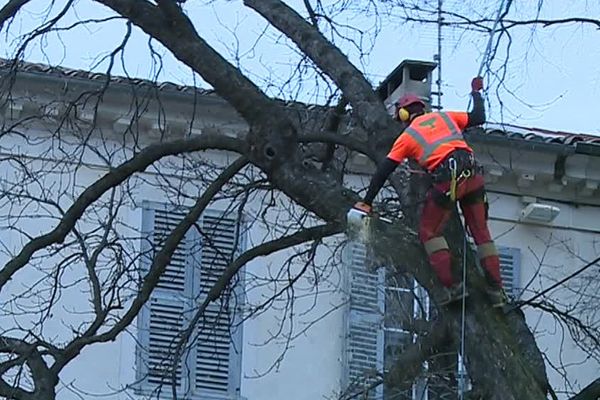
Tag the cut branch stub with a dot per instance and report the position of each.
(274, 142)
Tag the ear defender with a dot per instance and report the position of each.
(403, 114)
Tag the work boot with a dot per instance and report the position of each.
(451, 295)
(497, 296)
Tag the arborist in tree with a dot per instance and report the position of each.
(436, 142)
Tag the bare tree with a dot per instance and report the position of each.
(288, 155)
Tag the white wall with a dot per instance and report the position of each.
(550, 253)
(273, 367)
(309, 366)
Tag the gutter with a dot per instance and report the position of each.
(207, 96)
(588, 149)
(520, 144)
(562, 151)
(81, 82)
(478, 135)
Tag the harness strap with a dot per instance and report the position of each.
(455, 177)
(452, 166)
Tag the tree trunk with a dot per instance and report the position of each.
(502, 358)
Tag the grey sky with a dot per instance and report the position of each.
(555, 69)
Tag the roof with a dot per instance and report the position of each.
(536, 139)
(68, 73)
(495, 132)
(540, 135)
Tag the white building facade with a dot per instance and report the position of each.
(544, 213)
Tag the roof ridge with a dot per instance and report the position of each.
(60, 71)
(541, 132)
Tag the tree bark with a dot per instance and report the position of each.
(496, 358)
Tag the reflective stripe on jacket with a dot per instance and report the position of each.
(430, 138)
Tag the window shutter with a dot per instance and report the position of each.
(510, 270)
(211, 367)
(166, 321)
(164, 316)
(364, 335)
(218, 348)
(174, 277)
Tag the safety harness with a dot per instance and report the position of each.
(456, 176)
(456, 168)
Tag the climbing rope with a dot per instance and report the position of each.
(462, 384)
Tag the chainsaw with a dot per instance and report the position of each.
(359, 223)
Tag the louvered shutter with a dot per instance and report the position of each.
(364, 334)
(165, 314)
(218, 348)
(166, 321)
(510, 270)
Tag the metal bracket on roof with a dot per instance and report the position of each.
(560, 167)
(588, 188)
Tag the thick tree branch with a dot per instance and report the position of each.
(177, 33)
(368, 108)
(348, 141)
(44, 380)
(10, 10)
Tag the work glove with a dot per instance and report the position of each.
(363, 207)
(477, 84)
(357, 213)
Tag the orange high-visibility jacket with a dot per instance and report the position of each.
(430, 138)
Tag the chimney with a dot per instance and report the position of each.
(411, 76)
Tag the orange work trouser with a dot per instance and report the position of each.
(435, 214)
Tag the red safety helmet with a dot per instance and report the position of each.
(402, 113)
(408, 99)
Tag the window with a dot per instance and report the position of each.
(364, 336)
(210, 365)
(381, 307)
(510, 270)
(406, 305)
